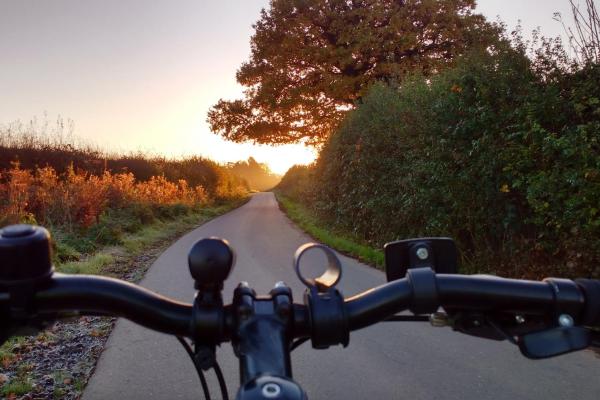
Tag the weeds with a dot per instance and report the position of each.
(17, 387)
(93, 265)
(8, 351)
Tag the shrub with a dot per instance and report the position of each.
(501, 152)
(296, 183)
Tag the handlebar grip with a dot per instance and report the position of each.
(591, 292)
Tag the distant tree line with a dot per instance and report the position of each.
(32, 148)
(258, 175)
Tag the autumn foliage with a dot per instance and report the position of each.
(78, 199)
(312, 60)
(500, 152)
(89, 198)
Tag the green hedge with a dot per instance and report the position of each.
(496, 152)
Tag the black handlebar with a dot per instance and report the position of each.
(544, 319)
(98, 295)
(95, 295)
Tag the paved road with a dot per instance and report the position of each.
(413, 361)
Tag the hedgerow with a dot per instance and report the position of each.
(86, 211)
(500, 152)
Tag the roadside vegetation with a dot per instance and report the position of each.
(433, 121)
(102, 222)
(500, 151)
(86, 212)
(342, 241)
(89, 199)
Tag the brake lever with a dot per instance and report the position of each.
(554, 342)
(536, 339)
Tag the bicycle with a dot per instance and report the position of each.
(544, 319)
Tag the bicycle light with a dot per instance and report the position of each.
(439, 254)
(24, 254)
(210, 261)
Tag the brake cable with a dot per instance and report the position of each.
(221, 379)
(188, 350)
(215, 365)
(298, 343)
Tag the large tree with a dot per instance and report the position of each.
(311, 61)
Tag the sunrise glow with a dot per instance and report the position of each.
(133, 77)
(137, 77)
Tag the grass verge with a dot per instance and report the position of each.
(22, 373)
(341, 242)
(135, 243)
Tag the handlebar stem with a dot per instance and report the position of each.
(263, 332)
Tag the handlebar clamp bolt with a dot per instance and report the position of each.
(565, 320)
(520, 319)
(271, 390)
(422, 253)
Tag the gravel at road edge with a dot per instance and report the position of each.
(58, 362)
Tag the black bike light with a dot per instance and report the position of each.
(210, 261)
(438, 253)
(25, 254)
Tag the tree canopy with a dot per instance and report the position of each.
(311, 60)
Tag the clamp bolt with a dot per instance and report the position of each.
(565, 320)
(271, 390)
(422, 253)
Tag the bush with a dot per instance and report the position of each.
(296, 183)
(61, 252)
(86, 211)
(501, 152)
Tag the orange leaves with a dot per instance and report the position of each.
(77, 198)
(312, 60)
(456, 88)
(16, 193)
(158, 190)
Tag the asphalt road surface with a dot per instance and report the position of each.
(386, 361)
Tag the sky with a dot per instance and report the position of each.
(141, 74)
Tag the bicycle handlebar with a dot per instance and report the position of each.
(112, 297)
(545, 318)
